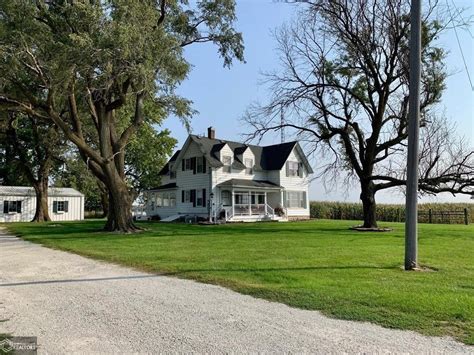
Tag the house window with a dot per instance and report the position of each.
(187, 196)
(199, 198)
(293, 168)
(296, 199)
(188, 164)
(248, 166)
(242, 198)
(258, 198)
(60, 206)
(225, 197)
(172, 173)
(172, 199)
(166, 200)
(159, 200)
(11, 206)
(200, 164)
(227, 161)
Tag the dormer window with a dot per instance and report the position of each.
(248, 166)
(172, 172)
(227, 161)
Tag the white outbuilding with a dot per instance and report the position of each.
(18, 204)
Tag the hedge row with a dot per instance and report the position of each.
(441, 212)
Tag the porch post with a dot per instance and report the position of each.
(266, 211)
(233, 202)
(250, 203)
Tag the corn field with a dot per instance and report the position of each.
(440, 212)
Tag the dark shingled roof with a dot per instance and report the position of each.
(271, 157)
(164, 187)
(250, 183)
(166, 168)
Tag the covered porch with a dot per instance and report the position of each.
(250, 200)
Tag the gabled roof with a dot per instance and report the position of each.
(30, 191)
(166, 168)
(271, 157)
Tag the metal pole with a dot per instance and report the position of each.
(411, 233)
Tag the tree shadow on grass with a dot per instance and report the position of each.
(189, 271)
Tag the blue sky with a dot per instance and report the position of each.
(222, 95)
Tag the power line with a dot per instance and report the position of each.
(459, 44)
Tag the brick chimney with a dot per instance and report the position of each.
(211, 133)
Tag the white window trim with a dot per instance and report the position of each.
(227, 168)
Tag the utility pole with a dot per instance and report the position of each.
(411, 229)
(282, 125)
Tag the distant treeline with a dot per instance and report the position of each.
(440, 212)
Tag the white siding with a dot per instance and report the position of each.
(296, 183)
(75, 209)
(28, 208)
(185, 180)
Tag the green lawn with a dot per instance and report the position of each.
(312, 265)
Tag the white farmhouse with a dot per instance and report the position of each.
(18, 204)
(219, 179)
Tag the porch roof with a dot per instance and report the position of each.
(258, 184)
(164, 187)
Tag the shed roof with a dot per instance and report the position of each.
(261, 184)
(30, 191)
(164, 187)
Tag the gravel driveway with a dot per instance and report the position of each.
(74, 304)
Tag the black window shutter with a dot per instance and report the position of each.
(204, 165)
(55, 206)
(18, 206)
(5, 206)
(66, 206)
(300, 169)
(182, 196)
(193, 197)
(203, 197)
(193, 164)
(183, 166)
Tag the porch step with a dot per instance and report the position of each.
(172, 218)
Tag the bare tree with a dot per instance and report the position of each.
(344, 88)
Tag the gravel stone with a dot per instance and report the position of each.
(78, 305)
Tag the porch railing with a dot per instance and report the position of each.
(243, 210)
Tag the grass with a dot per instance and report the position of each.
(318, 265)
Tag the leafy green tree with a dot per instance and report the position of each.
(146, 155)
(74, 173)
(79, 64)
(35, 149)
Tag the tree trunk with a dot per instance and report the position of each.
(42, 213)
(104, 198)
(368, 204)
(119, 217)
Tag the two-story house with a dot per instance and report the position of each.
(219, 179)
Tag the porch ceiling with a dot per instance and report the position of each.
(257, 184)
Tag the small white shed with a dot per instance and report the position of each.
(18, 204)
